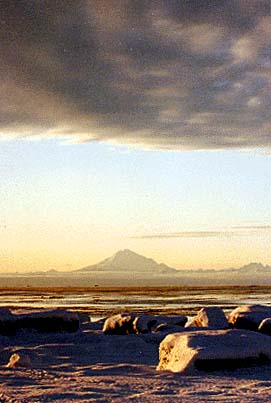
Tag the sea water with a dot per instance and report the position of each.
(161, 300)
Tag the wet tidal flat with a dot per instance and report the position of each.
(103, 301)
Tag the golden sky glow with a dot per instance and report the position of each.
(137, 124)
(65, 207)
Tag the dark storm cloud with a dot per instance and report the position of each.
(160, 74)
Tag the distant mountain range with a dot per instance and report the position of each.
(127, 265)
(125, 261)
(129, 268)
(128, 261)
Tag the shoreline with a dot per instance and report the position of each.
(241, 289)
(101, 302)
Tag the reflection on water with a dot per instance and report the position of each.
(162, 300)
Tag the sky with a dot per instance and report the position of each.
(135, 124)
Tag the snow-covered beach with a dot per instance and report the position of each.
(90, 366)
(130, 383)
(67, 369)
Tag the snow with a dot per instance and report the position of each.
(89, 366)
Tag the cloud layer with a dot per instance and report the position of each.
(155, 73)
(244, 230)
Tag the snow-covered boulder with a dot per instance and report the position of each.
(84, 317)
(265, 326)
(7, 322)
(144, 323)
(126, 323)
(5, 312)
(96, 325)
(211, 317)
(249, 316)
(171, 320)
(58, 320)
(167, 328)
(122, 323)
(19, 360)
(148, 323)
(190, 352)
